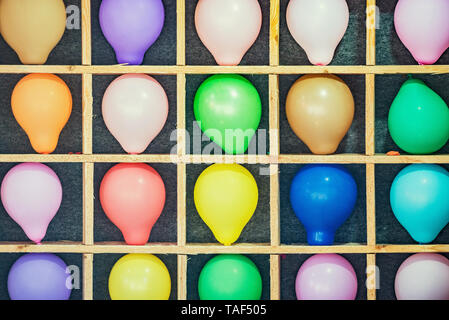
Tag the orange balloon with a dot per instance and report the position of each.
(42, 104)
(320, 110)
(133, 197)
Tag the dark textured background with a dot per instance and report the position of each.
(67, 224)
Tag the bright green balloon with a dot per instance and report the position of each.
(228, 110)
(419, 119)
(230, 277)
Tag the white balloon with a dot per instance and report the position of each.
(318, 26)
(423, 276)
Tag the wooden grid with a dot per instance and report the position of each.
(274, 249)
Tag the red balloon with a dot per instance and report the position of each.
(133, 197)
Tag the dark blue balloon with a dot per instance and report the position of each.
(323, 197)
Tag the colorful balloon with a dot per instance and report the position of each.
(135, 110)
(31, 194)
(318, 27)
(39, 276)
(226, 197)
(32, 27)
(228, 110)
(423, 28)
(418, 119)
(423, 276)
(228, 28)
(419, 199)
(133, 196)
(230, 277)
(42, 104)
(320, 110)
(326, 277)
(139, 277)
(323, 197)
(131, 27)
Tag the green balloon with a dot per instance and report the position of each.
(228, 110)
(419, 119)
(230, 277)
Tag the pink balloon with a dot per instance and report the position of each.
(31, 194)
(318, 27)
(326, 277)
(423, 276)
(228, 28)
(423, 27)
(135, 109)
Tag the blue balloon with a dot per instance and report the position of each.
(323, 197)
(419, 197)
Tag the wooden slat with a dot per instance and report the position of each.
(371, 32)
(370, 116)
(88, 267)
(370, 204)
(88, 203)
(87, 101)
(182, 277)
(180, 33)
(371, 273)
(86, 33)
(275, 277)
(274, 32)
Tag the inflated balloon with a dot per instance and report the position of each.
(320, 110)
(39, 276)
(226, 197)
(423, 28)
(228, 28)
(31, 194)
(42, 104)
(323, 197)
(133, 196)
(230, 277)
(135, 109)
(326, 277)
(228, 110)
(418, 119)
(420, 202)
(32, 27)
(423, 276)
(139, 277)
(131, 27)
(318, 27)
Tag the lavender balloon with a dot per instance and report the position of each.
(39, 276)
(131, 27)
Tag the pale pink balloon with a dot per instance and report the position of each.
(31, 194)
(318, 27)
(326, 277)
(135, 109)
(423, 276)
(423, 27)
(228, 28)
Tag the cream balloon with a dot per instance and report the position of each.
(228, 28)
(135, 109)
(32, 27)
(318, 27)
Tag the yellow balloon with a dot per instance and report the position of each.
(32, 27)
(226, 197)
(139, 277)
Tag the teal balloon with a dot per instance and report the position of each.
(419, 197)
(419, 119)
(228, 110)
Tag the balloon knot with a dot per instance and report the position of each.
(393, 153)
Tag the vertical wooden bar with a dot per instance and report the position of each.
(372, 276)
(181, 33)
(86, 32)
(275, 277)
(370, 121)
(182, 277)
(371, 32)
(88, 266)
(371, 204)
(274, 32)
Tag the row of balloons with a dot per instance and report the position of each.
(227, 107)
(422, 276)
(226, 196)
(227, 28)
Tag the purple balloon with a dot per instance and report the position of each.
(131, 27)
(39, 276)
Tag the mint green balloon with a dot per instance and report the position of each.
(419, 119)
(230, 277)
(228, 110)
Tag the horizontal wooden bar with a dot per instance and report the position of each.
(214, 248)
(122, 69)
(244, 159)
